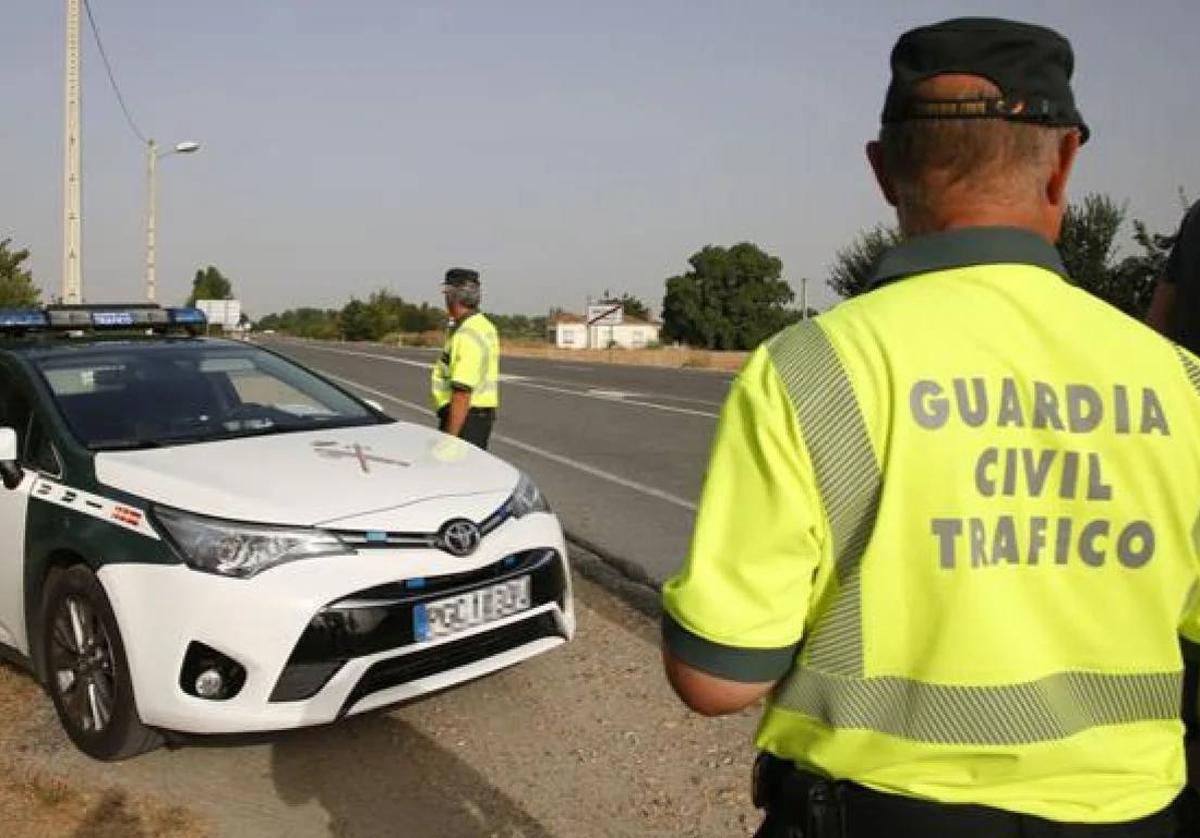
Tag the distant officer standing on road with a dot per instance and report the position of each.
(466, 376)
(947, 527)
(1175, 309)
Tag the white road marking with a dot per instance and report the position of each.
(611, 394)
(533, 449)
(517, 381)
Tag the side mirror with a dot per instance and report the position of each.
(10, 472)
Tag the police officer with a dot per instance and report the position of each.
(1175, 311)
(466, 377)
(947, 527)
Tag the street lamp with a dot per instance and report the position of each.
(152, 155)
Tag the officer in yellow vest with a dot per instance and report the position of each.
(466, 376)
(949, 528)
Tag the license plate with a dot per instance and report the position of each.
(456, 614)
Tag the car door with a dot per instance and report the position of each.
(14, 503)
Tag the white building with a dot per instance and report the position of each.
(570, 331)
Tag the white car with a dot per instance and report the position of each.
(201, 536)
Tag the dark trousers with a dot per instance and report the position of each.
(846, 810)
(478, 427)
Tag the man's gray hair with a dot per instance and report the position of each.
(1005, 161)
(467, 294)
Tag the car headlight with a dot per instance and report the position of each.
(527, 498)
(242, 550)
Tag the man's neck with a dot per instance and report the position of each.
(957, 219)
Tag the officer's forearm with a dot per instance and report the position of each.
(707, 694)
(460, 404)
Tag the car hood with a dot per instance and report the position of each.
(316, 477)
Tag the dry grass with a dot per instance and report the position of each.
(36, 802)
(667, 356)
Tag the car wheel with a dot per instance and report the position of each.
(87, 673)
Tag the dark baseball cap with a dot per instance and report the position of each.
(1031, 65)
(461, 276)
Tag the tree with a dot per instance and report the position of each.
(1088, 245)
(303, 322)
(854, 264)
(357, 321)
(732, 298)
(16, 283)
(210, 284)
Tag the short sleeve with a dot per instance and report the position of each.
(737, 609)
(467, 360)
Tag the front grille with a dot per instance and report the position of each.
(401, 670)
(385, 539)
(380, 619)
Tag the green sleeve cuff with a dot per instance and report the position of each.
(733, 663)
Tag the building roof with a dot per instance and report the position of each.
(566, 318)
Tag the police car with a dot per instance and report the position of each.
(199, 536)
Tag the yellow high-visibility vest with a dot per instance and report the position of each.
(469, 361)
(957, 519)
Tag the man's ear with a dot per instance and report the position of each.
(875, 156)
(1056, 184)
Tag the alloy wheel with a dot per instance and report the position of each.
(81, 665)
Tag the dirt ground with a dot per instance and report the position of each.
(586, 740)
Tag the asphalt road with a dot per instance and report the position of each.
(619, 450)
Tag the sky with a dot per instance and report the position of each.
(563, 148)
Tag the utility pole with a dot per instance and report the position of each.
(151, 193)
(72, 283)
(803, 298)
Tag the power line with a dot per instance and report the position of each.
(112, 78)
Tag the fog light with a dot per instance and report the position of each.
(210, 683)
(209, 674)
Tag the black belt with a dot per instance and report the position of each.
(474, 411)
(817, 807)
(814, 803)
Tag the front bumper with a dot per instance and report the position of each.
(323, 638)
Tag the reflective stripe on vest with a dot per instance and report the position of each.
(487, 384)
(1189, 367)
(829, 681)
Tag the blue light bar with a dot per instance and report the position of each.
(16, 318)
(82, 319)
(187, 317)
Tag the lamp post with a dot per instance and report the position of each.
(152, 155)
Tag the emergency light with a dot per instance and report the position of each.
(95, 318)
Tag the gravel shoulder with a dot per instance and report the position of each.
(587, 740)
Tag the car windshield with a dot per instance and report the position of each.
(125, 396)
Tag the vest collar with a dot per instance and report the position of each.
(964, 248)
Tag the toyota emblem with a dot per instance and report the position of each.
(459, 537)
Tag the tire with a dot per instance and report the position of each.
(91, 689)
